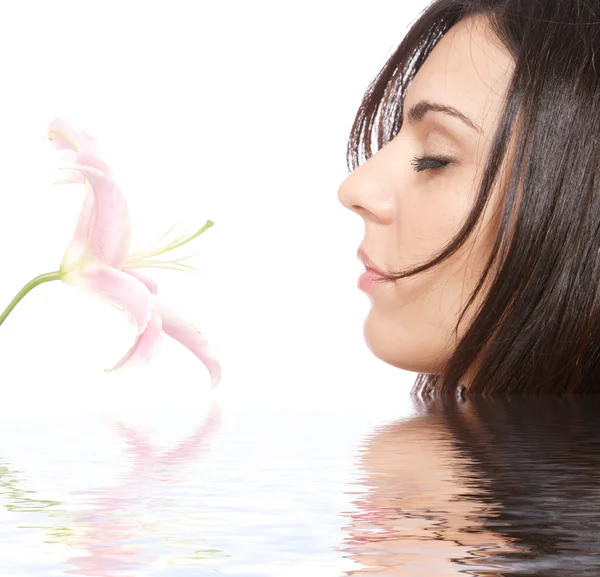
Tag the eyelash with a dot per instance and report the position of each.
(419, 162)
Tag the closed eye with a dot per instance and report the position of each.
(430, 162)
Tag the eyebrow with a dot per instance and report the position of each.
(418, 111)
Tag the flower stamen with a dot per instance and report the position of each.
(140, 259)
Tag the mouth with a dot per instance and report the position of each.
(369, 265)
(372, 277)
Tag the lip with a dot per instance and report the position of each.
(369, 265)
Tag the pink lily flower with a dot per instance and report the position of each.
(98, 258)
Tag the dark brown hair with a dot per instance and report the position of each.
(538, 328)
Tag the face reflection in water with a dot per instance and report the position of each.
(410, 215)
(485, 487)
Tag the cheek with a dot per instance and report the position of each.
(411, 324)
(428, 219)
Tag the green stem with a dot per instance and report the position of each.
(48, 276)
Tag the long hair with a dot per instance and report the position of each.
(537, 327)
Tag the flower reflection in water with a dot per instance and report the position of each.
(114, 525)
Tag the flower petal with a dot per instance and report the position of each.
(191, 338)
(150, 283)
(117, 288)
(110, 233)
(70, 176)
(64, 134)
(144, 345)
(66, 157)
(79, 242)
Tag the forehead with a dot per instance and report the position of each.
(468, 69)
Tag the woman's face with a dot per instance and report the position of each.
(411, 215)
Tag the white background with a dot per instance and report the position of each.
(238, 112)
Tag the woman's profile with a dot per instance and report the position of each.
(475, 159)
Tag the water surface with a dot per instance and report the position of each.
(481, 487)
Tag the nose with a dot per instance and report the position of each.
(370, 198)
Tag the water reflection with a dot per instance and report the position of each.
(116, 530)
(114, 526)
(481, 487)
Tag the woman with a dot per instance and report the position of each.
(482, 202)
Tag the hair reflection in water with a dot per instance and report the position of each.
(486, 486)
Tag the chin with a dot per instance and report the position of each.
(403, 353)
